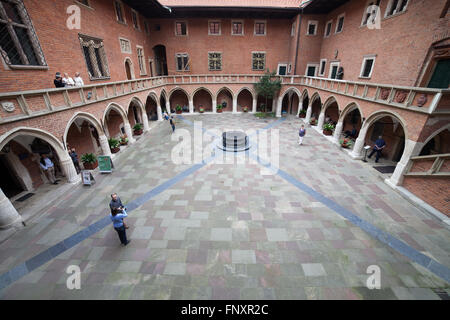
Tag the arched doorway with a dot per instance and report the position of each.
(203, 97)
(84, 137)
(332, 113)
(159, 52)
(349, 124)
(114, 122)
(225, 96)
(261, 102)
(151, 108)
(134, 114)
(438, 144)
(179, 97)
(129, 69)
(305, 104)
(316, 107)
(245, 99)
(289, 104)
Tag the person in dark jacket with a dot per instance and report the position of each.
(117, 219)
(116, 203)
(380, 144)
(74, 157)
(58, 81)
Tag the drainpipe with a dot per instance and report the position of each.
(298, 41)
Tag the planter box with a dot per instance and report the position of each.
(219, 110)
(138, 132)
(245, 110)
(179, 111)
(90, 166)
(115, 150)
(302, 115)
(124, 143)
(327, 132)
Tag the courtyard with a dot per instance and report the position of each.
(232, 231)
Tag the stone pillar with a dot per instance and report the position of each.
(308, 113)
(159, 112)
(321, 120)
(300, 107)
(234, 104)
(128, 132)
(168, 107)
(357, 152)
(338, 131)
(279, 106)
(8, 214)
(106, 150)
(214, 105)
(69, 170)
(254, 105)
(412, 149)
(145, 121)
(191, 106)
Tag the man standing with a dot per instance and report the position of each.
(170, 118)
(48, 167)
(301, 134)
(116, 203)
(117, 220)
(378, 147)
(74, 157)
(58, 81)
(78, 80)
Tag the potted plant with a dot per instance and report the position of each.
(328, 129)
(245, 109)
(302, 113)
(178, 109)
(123, 140)
(346, 143)
(138, 129)
(219, 108)
(313, 121)
(201, 109)
(114, 145)
(89, 161)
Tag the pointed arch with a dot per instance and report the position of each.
(117, 107)
(176, 89)
(224, 88)
(87, 117)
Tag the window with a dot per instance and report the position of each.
(215, 61)
(323, 64)
(260, 28)
(237, 28)
(340, 23)
(258, 60)
(19, 44)
(135, 18)
(312, 28)
(311, 69)
(396, 6)
(282, 69)
(146, 27)
(119, 11)
(214, 28)
(334, 66)
(328, 28)
(370, 12)
(141, 60)
(84, 2)
(441, 75)
(182, 61)
(367, 66)
(180, 28)
(125, 46)
(95, 57)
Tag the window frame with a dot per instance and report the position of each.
(363, 66)
(142, 73)
(265, 28)
(175, 24)
(316, 24)
(312, 64)
(342, 15)
(242, 24)
(83, 38)
(330, 69)
(122, 10)
(285, 64)
(395, 13)
(322, 74)
(365, 12)
(221, 60)
(329, 23)
(120, 44)
(209, 27)
(85, 5)
(182, 54)
(265, 58)
(138, 27)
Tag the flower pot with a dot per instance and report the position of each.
(219, 110)
(245, 110)
(327, 132)
(90, 166)
(123, 143)
(345, 145)
(138, 132)
(302, 115)
(179, 111)
(201, 110)
(115, 150)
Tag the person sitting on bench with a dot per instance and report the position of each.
(380, 144)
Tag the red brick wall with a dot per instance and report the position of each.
(29, 163)
(244, 99)
(178, 98)
(114, 121)
(202, 97)
(434, 191)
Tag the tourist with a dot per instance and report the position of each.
(170, 118)
(116, 203)
(74, 157)
(117, 220)
(58, 81)
(380, 144)
(78, 80)
(301, 134)
(48, 167)
(68, 81)
(350, 134)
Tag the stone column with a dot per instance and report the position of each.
(357, 152)
(145, 121)
(106, 150)
(8, 214)
(279, 106)
(191, 106)
(337, 132)
(300, 107)
(214, 106)
(168, 107)
(308, 114)
(412, 149)
(159, 112)
(69, 170)
(254, 102)
(321, 120)
(128, 132)
(234, 105)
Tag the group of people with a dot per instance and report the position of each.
(67, 81)
(118, 213)
(170, 119)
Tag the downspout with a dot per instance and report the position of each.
(298, 41)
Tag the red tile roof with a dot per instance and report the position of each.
(234, 3)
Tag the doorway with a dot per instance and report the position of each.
(9, 183)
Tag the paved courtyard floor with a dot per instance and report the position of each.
(232, 231)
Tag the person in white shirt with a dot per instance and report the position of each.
(78, 81)
(68, 81)
(48, 167)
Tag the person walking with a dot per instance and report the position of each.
(78, 80)
(74, 157)
(58, 81)
(117, 220)
(48, 167)
(380, 144)
(301, 134)
(116, 203)
(170, 118)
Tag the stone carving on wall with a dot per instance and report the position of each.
(8, 106)
(401, 95)
(422, 100)
(384, 93)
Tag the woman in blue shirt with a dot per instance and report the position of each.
(117, 216)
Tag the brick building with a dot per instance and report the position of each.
(381, 66)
